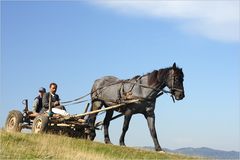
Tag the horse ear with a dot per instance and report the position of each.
(174, 65)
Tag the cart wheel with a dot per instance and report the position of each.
(14, 121)
(40, 124)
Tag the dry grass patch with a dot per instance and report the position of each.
(47, 146)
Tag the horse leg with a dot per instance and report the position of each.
(106, 123)
(127, 119)
(92, 118)
(151, 126)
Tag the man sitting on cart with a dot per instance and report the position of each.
(55, 101)
(37, 104)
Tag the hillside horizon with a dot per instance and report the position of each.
(202, 152)
(48, 146)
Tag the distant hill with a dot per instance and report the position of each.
(208, 152)
(47, 146)
(204, 152)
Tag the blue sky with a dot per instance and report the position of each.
(74, 43)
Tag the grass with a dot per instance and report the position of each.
(47, 146)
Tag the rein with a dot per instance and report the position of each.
(76, 101)
(158, 90)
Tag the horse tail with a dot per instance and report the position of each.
(93, 95)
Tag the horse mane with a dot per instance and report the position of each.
(136, 77)
(152, 77)
(157, 75)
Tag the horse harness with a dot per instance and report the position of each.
(128, 95)
(124, 95)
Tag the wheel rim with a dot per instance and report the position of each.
(11, 123)
(38, 126)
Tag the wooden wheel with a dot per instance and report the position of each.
(14, 121)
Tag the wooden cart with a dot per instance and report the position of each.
(74, 125)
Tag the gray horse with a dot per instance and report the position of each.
(110, 90)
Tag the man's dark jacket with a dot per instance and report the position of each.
(45, 99)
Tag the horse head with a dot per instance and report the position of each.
(174, 82)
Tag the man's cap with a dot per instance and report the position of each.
(42, 89)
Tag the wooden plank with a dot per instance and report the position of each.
(108, 108)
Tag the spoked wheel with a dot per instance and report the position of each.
(14, 121)
(40, 124)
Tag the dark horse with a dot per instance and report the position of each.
(110, 90)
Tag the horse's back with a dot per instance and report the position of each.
(104, 81)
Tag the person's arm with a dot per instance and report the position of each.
(35, 105)
(57, 97)
(45, 100)
(57, 102)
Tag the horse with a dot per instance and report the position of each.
(110, 90)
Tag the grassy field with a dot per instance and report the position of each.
(36, 146)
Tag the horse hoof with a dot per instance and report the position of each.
(161, 152)
(108, 142)
(122, 144)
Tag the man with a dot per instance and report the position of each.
(55, 100)
(37, 104)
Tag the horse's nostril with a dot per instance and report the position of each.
(182, 96)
